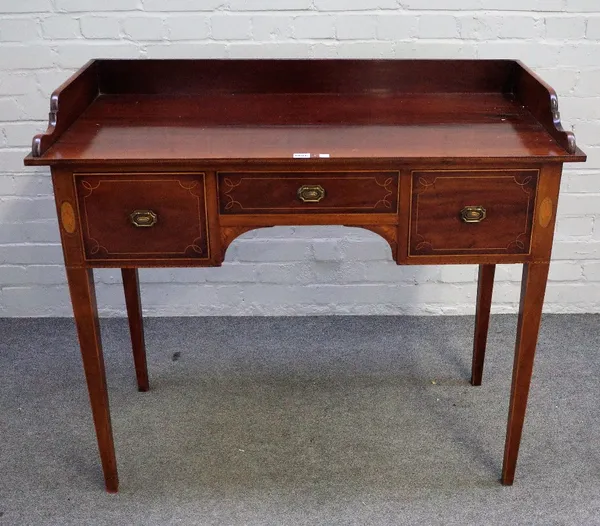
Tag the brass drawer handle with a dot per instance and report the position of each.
(311, 193)
(473, 214)
(143, 218)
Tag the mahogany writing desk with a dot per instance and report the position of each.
(163, 163)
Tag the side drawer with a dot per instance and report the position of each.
(143, 216)
(308, 192)
(472, 212)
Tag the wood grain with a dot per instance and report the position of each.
(270, 109)
(438, 197)
(107, 201)
(83, 298)
(533, 287)
(485, 286)
(541, 100)
(175, 77)
(166, 136)
(277, 193)
(67, 103)
(139, 128)
(131, 287)
(64, 192)
(543, 227)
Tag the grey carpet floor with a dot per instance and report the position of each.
(300, 421)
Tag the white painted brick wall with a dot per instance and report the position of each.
(292, 270)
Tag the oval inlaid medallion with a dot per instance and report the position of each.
(545, 213)
(67, 217)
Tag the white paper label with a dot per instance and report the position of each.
(301, 156)
(324, 155)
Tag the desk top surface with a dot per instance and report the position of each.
(224, 113)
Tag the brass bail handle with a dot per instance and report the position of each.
(473, 214)
(311, 193)
(143, 218)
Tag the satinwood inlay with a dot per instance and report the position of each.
(67, 217)
(546, 211)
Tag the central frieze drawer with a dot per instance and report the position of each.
(314, 192)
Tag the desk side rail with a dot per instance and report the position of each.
(541, 100)
(67, 103)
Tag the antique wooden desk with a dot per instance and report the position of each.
(164, 163)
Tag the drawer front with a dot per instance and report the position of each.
(313, 192)
(472, 212)
(143, 216)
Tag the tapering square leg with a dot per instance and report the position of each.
(83, 297)
(131, 287)
(533, 288)
(485, 286)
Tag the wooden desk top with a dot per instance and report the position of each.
(128, 111)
